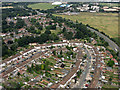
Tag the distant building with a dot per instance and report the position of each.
(65, 5)
(110, 10)
(56, 3)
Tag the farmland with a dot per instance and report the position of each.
(105, 22)
(41, 6)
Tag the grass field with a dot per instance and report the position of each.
(41, 6)
(110, 4)
(110, 86)
(106, 22)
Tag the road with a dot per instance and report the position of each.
(84, 74)
(112, 44)
(95, 79)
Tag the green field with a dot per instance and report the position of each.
(110, 4)
(41, 6)
(106, 22)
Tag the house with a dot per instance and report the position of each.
(21, 71)
(33, 44)
(70, 75)
(37, 78)
(111, 56)
(21, 30)
(115, 61)
(2, 34)
(109, 68)
(10, 39)
(110, 10)
(49, 84)
(19, 35)
(105, 7)
(61, 75)
(45, 81)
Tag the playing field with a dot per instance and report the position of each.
(41, 6)
(106, 22)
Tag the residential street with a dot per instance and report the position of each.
(84, 73)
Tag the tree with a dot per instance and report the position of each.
(110, 80)
(40, 27)
(18, 74)
(50, 23)
(54, 37)
(79, 73)
(110, 63)
(11, 24)
(29, 69)
(85, 56)
(42, 67)
(10, 42)
(64, 29)
(60, 25)
(37, 67)
(106, 44)
(20, 23)
(61, 52)
(14, 47)
(53, 27)
(48, 32)
(68, 35)
(79, 35)
(48, 27)
(32, 66)
(54, 52)
(76, 21)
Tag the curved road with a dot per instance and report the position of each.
(112, 44)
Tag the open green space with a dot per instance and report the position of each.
(109, 4)
(110, 86)
(56, 31)
(41, 6)
(105, 22)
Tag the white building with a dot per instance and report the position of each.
(56, 3)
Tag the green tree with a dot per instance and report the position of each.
(42, 67)
(110, 80)
(68, 35)
(54, 37)
(48, 32)
(61, 52)
(54, 52)
(18, 74)
(64, 29)
(14, 47)
(110, 63)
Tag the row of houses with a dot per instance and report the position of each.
(15, 58)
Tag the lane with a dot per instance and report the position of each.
(97, 72)
(84, 74)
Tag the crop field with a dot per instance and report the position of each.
(105, 22)
(41, 6)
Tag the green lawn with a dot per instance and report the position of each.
(41, 6)
(109, 86)
(55, 31)
(106, 22)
